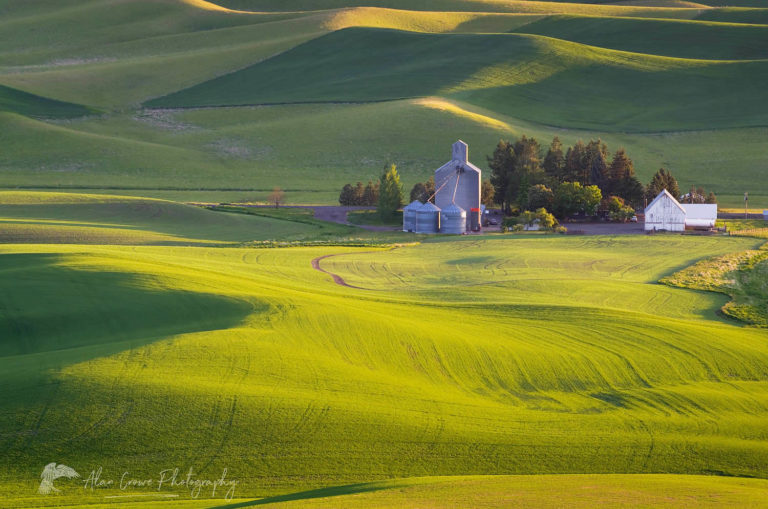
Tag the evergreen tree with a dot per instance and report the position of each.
(661, 180)
(501, 164)
(527, 155)
(574, 158)
(711, 198)
(522, 194)
(526, 170)
(554, 161)
(598, 171)
(390, 193)
(591, 166)
(631, 190)
(621, 166)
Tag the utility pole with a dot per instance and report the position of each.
(746, 201)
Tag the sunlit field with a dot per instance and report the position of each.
(464, 356)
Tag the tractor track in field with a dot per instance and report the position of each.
(336, 278)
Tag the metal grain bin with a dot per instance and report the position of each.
(409, 215)
(453, 220)
(428, 218)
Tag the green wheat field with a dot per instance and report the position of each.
(140, 334)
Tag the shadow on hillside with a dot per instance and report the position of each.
(331, 491)
(75, 314)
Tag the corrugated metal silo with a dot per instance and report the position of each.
(428, 218)
(409, 215)
(454, 220)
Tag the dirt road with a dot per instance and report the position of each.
(336, 278)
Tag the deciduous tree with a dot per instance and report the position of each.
(487, 192)
(347, 195)
(540, 196)
(421, 191)
(371, 194)
(276, 197)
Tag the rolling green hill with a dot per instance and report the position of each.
(736, 15)
(240, 154)
(522, 492)
(67, 218)
(563, 72)
(672, 38)
(460, 356)
(538, 79)
(544, 7)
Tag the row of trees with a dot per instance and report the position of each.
(517, 167)
(386, 193)
(359, 194)
(522, 178)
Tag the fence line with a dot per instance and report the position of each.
(749, 232)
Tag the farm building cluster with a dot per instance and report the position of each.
(457, 207)
(668, 214)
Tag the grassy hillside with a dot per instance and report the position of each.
(463, 354)
(524, 75)
(98, 219)
(128, 68)
(741, 275)
(684, 39)
(585, 491)
(113, 56)
(736, 15)
(519, 6)
(240, 154)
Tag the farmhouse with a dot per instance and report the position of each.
(457, 185)
(666, 213)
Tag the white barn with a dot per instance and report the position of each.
(458, 182)
(666, 213)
